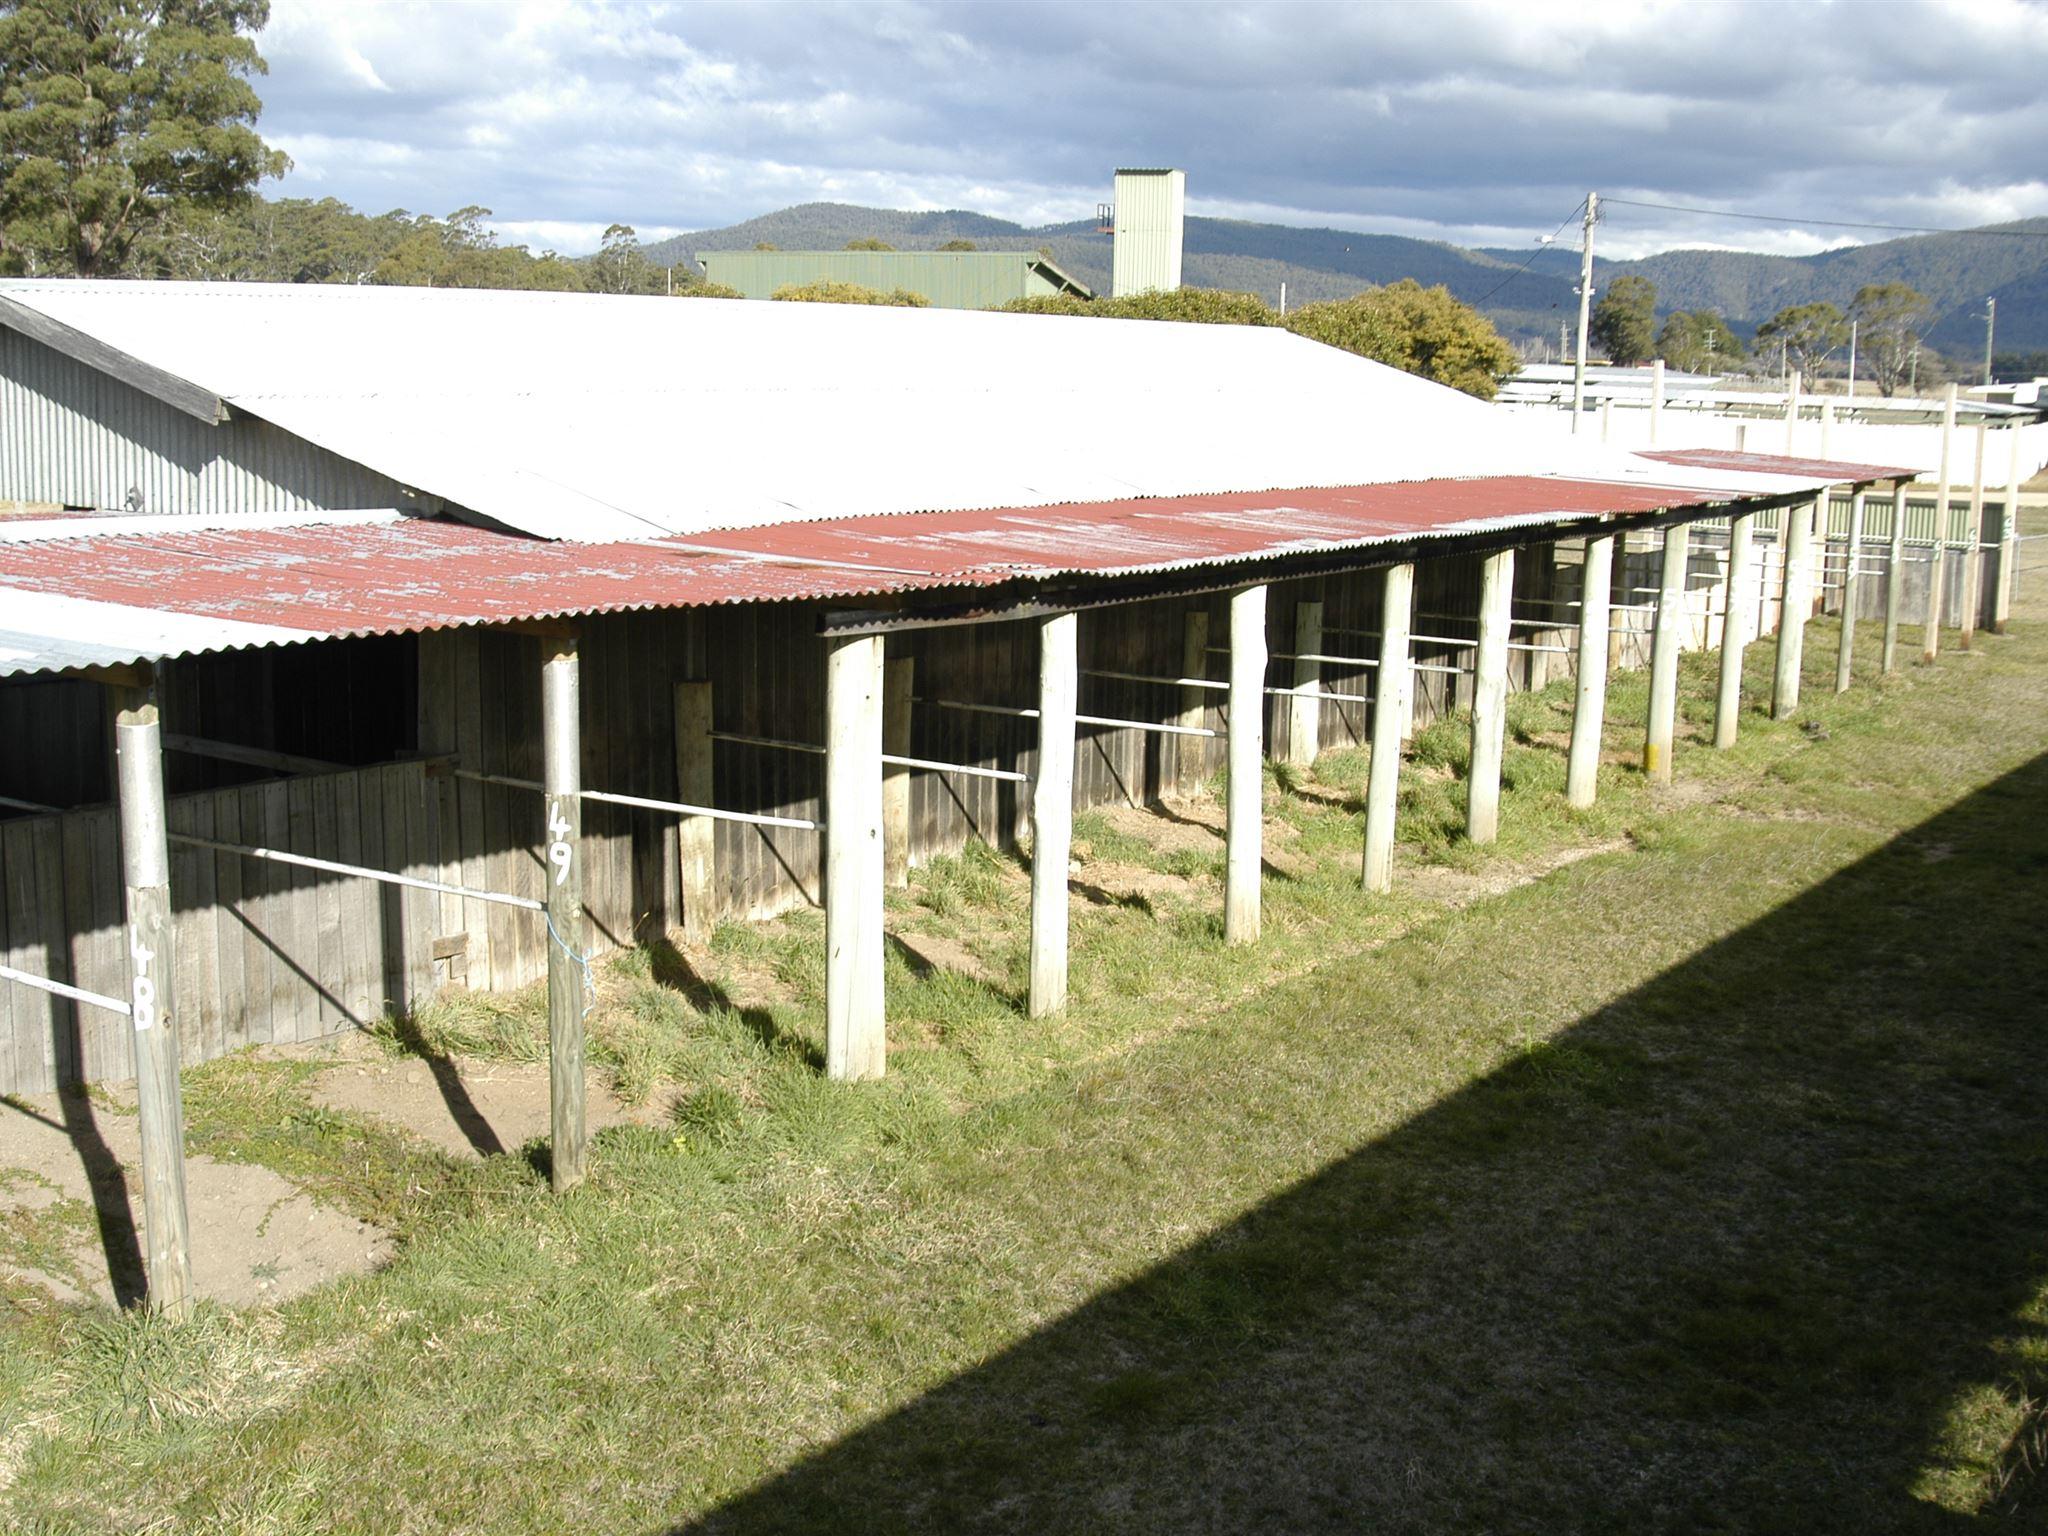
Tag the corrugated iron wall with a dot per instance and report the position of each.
(1151, 212)
(73, 435)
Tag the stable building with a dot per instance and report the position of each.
(948, 279)
(379, 642)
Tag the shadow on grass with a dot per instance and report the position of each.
(671, 968)
(476, 1128)
(106, 1184)
(1726, 1255)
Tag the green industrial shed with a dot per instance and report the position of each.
(950, 279)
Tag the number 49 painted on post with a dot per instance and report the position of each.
(559, 852)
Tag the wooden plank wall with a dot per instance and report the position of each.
(265, 953)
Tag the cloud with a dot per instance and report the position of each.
(1464, 119)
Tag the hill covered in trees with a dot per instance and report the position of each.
(1955, 271)
(302, 240)
(1235, 254)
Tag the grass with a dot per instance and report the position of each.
(1697, 1184)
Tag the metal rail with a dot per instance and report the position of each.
(1299, 691)
(1146, 677)
(335, 867)
(929, 764)
(1018, 713)
(76, 994)
(776, 742)
(1359, 661)
(642, 803)
(977, 771)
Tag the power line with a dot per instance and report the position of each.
(1541, 246)
(1773, 218)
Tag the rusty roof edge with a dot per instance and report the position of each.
(1100, 588)
(1741, 461)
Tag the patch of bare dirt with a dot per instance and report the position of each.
(1127, 883)
(1683, 793)
(469, 1108)
(936, 952)
(1184, 825)
(1460, 887)
(256, 1238)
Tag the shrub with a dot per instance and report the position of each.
(1418, 330)
(823, 292)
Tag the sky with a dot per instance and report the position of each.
(1475, 121)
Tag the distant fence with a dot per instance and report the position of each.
(1915, 445)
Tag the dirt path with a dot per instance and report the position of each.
(71, 1209)
(467, 1108)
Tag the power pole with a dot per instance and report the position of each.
(1585, 307)
(1852, 359)
(1990, 320)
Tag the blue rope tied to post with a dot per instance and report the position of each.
(582, 961)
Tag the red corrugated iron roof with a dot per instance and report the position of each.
(1779, 464)
(1150, 534)
(420, 573)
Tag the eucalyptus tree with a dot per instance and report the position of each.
(115, 115)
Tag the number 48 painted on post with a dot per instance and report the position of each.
(559, 852)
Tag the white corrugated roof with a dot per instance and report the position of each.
(47, 632)
(599, 418)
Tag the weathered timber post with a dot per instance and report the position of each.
(1937, 569)
(1052, 810)
(1844, 658)
(1656, 398)
(1305, 709)
(1794, 608)
(159, 1104)
(856, 1041)
(1489, 697)
(696, 836)
(1627, 623)
(1894, 579)
(1735, 627)
(1973, 549)
(2009, 541)
(1589, 704)
(1664, 643)
(899, 685)
(568, 978)
(1383, 781)
(1409, 677)
(1246, 808)
(1192, 764)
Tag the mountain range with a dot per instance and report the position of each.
(1525, 292)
